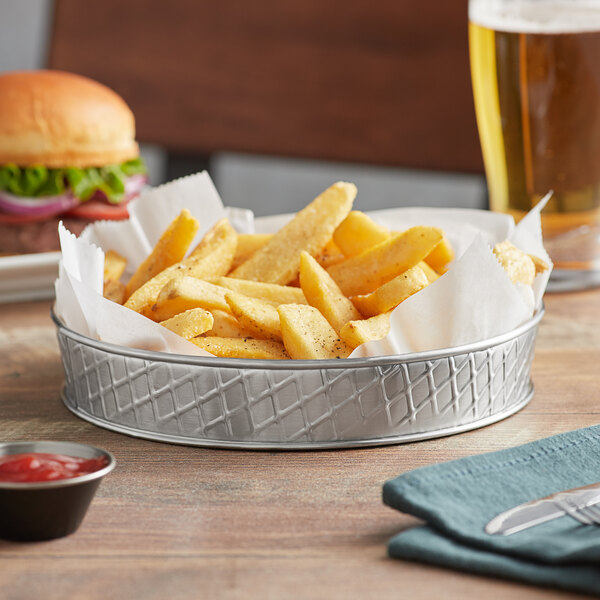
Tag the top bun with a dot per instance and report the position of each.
(59, 119)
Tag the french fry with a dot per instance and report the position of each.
(247, 245)
(439, 258)
(308, 335)
(330, 255)
(323, 293)
(518, 265)
(358, 232)
(392, 293)
(222, 236)
(114, 266)
(170, 249)
(355, 333)
(278, 260)
(114, 290)
(366, 272)
(540, 265)
(429, 272)
(241, 348)
(226, 325)
(185, 293)
(270, 292)
(257, 316)
(190, 323)
(211, 258)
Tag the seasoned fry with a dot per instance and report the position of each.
(211, 258)
(366, 272)
(355, 333)
(323, 293)
(247, 245)
(170, 249)
(278, 261)
(188, 292)
(258, 316)
(429, 272)
(358, 232)
(114, 290)
(540, 265)
(190, 323)
(270, 292)
(241, 348)
(439, 258)
(330, 255)
(114, 266)
(518, 265)
(392, 293)
(226, 325)
(221, 237)
(308, 335)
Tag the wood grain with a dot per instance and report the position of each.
(179, 522)
(383, 83)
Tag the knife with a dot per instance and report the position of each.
(544, 509)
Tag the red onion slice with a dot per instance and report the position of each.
(133, 186)
(48, 206)
(44, 206)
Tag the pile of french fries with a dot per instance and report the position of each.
(319, 287)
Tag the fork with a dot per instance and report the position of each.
(587, 515)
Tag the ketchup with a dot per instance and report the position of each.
(39, 466)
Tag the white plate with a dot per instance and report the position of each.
(28, 276)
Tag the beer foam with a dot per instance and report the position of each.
(536, 16)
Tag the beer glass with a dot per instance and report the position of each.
(535, 67)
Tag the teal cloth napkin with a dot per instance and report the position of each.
(458, 498)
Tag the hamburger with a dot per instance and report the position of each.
(67, 152)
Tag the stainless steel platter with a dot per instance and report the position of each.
(297, 404)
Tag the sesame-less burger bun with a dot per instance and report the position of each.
(59, 119)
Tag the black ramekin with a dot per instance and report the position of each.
(48, 509)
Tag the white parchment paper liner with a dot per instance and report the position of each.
(473, 301)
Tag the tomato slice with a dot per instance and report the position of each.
(92, 210)
(99, 210)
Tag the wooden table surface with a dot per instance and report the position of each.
(177, 522)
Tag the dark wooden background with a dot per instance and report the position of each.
(373, 82)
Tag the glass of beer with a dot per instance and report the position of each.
(535, 67)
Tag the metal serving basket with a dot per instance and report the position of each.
(297, 404)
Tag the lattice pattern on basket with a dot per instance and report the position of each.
(321, 405)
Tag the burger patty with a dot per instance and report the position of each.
(41, 236)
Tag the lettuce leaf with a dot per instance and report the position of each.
(39, 181)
